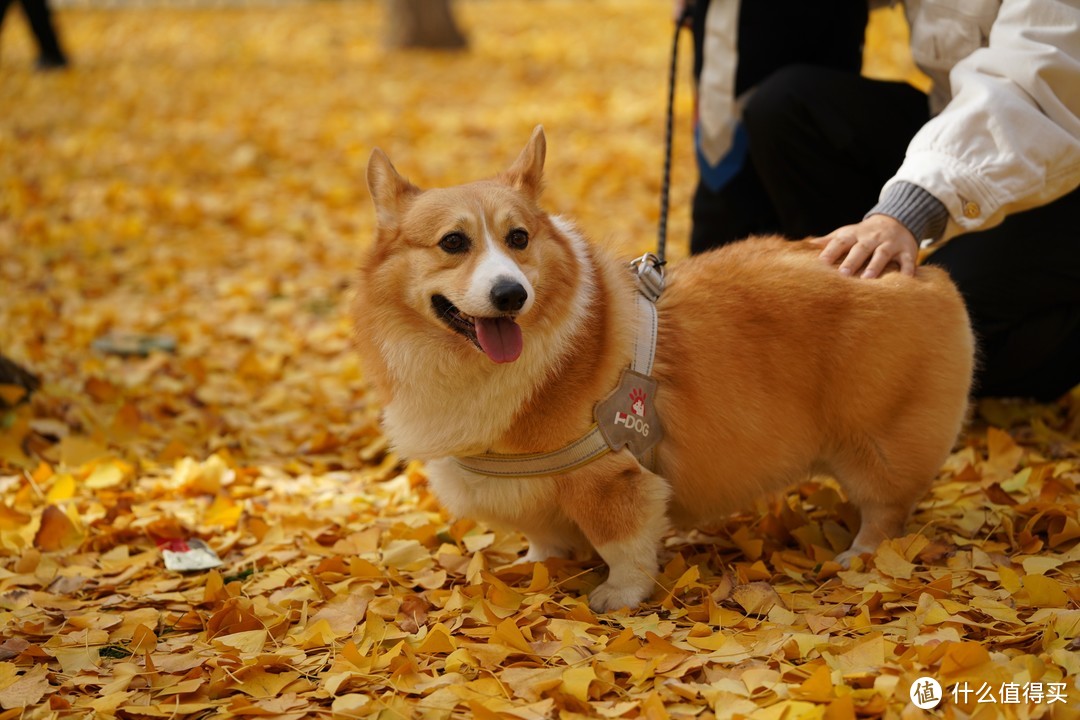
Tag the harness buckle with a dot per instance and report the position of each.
(649, 275)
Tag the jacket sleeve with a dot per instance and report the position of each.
(1009, 139)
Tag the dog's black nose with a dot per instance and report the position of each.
(508, 295)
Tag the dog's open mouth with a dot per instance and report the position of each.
(497, 337)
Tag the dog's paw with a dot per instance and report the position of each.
(847, 556)
(539, 553)
(608, 597)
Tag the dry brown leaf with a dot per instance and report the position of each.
(27, 690)
(57, 532)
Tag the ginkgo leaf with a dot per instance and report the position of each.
(106, 475)
(818, 687)
(27, 690)
(347, 707)
(756, 598)
(1044, 591)
(58, 531)
(892, 563)
(245, 642)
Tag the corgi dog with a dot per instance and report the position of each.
(491, 327)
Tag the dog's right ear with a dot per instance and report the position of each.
(388, 189)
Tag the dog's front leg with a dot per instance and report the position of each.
(622, 509)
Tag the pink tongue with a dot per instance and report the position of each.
(499, 338)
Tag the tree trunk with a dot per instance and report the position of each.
(422, 24)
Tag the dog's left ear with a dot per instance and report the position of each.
(527, 172)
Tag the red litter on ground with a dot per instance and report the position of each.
(188, 555)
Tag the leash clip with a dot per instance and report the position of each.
(649, 275)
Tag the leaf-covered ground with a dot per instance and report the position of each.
(197, 177)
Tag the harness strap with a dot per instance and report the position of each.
(649, 277)
(582, 451)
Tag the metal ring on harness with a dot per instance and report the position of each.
(649, 275)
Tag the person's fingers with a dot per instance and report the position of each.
(856, 257)
(836, 248)
(869, 246)
(907, 263)
(881, 258)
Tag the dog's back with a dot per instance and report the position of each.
(773, 364)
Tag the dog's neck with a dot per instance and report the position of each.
(442, 406)
(560, 410)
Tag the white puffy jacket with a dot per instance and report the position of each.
(1005, 135)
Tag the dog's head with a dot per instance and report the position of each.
(467, 261)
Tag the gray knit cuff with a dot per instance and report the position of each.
(916, 209)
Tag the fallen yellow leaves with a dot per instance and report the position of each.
(355, 600)
(190, 197)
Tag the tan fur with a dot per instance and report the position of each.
(771, 366)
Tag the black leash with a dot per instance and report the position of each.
(665, 187)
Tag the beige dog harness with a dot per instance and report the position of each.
(625, 418)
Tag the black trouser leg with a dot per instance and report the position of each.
(40, 18)
(739, 209)
(822, 143)
(3, 10)
(1021, 282)
(823, 34)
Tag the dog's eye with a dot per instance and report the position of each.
(454, 242)
(517, 239)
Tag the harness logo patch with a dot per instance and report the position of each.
(627, 417)
(635, 421)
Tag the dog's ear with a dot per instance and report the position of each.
(527, 172)
(388, 189)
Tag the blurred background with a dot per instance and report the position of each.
(193, 183)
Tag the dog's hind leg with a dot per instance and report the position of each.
(884, 479)
(879, 521)
(623, 513)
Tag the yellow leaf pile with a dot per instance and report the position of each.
(180, 214)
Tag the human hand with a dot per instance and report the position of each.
(874, 243)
